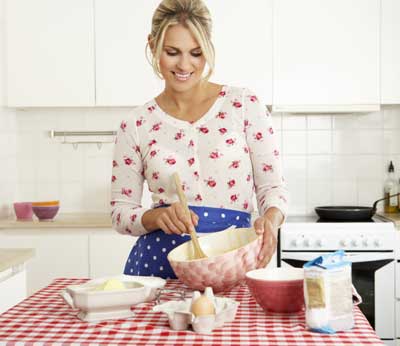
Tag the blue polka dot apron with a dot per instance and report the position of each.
(148, 256)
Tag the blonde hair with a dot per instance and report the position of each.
(194, 15)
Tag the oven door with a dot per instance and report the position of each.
(373, 277)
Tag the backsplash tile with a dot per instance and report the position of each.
(327, 159)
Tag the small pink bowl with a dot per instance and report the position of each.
(45, 213)
(278, 289)
(23, 211)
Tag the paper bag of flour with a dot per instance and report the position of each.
(328, 293)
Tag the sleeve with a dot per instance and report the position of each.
(269, 183)
(127, 182)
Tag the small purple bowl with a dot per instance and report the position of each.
(23, 211)
(45, 213)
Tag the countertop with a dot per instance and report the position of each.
(394, 217)
(13, 257)
(72, 220)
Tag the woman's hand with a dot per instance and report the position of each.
(268, 225)
(172, 219)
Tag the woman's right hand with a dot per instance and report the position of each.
(172, 219)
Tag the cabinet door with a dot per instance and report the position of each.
(124, 77)
(326, 52)
(50, 53)
(57, 254)
(12, 287)
(390, 52)
(108, 253)
(242, 36)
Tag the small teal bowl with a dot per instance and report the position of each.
(46, 213)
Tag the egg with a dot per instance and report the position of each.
(202, 306)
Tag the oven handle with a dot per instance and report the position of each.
(351, 256)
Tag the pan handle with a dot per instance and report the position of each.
(382, 199)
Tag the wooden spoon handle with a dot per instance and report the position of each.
(198, 253)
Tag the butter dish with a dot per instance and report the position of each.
(96, 304)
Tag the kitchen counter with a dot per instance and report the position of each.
(72, 220)
(13, 257)
(252, 326)
(394, 217)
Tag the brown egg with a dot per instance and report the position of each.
(203, 306)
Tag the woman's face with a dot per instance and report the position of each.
(181, 61)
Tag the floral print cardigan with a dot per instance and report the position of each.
(223, 158)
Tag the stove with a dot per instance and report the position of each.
(310, 233)
(370, 246)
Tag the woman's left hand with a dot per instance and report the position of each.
(268, 225)
(264, 226)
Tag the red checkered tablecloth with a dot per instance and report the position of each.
(45, 319)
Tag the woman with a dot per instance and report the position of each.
(219, 138)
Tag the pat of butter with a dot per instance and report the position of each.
(111, 285)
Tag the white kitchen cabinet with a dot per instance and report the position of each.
(13, 288)
(390, 52)
(108, 253)
(50, 53)
(58, 253)
(124, 77)
(326, 55)
(242, 36)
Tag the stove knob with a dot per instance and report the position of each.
(354, 242)
(294, 242)
(377, 242)
(307, 242)
(366, 242)
(344, 243)
(319, 242)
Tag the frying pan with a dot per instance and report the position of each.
(349, 213)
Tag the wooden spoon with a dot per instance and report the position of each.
(198, 252)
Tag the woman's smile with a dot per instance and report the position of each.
(182, 77)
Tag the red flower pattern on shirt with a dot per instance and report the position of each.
(128, 161)
(234, 164)
(215, 155)
(154, 147)
(204, 129)
(267, 168)
(170, 160)
(258, 136)
(221, 115)
(211, 182)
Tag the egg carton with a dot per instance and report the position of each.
(180, 316)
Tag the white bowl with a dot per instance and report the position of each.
(95, 305)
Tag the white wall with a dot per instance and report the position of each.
(8, 159)
(338, 159)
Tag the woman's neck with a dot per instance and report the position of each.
(180, 101)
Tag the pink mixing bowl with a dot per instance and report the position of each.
(23, 211)
(278, 289)
(231, 253)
